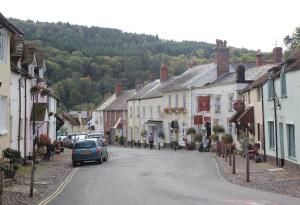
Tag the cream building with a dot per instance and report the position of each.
(7, 31)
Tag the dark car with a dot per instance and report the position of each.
(89, 150)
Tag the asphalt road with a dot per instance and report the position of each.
(139, 176)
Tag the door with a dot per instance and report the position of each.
(281, 136)
(208, 128)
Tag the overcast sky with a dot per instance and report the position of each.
(253, 24)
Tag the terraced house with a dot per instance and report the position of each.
(7, 32)
(281, 113)
(145, 109)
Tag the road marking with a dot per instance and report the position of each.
(59, 189)
(218, 171)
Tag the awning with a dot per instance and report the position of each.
(235, 116)
(40, 112)
(117, 123)
(247, 116)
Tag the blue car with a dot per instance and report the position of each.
(89, 150)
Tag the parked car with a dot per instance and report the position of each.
(70, 140)
(89, 150)
(98, 136)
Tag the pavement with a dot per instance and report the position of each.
(142, 177)
(264, 176)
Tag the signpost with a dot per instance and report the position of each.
(239, 106)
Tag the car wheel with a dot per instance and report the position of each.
(106, 158)
(100, 161)
(74, 164)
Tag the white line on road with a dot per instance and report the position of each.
(218, 171)
(59, 189)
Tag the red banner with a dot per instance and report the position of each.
(198, 120)
(203, 103)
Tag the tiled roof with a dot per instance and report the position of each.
(189, 77)
(120, 102)
(9, 26)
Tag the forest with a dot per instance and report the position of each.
(83, 63)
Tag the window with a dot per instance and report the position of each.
(271, 135)
(170, 101)
(138, 111)
(144, 111)
(3, 115)
(270, 87)
(176, 101)
(218, 104)
(230, 102)
(184, 101)
(283, 81)
(3, 47)
(248, 97)
(106, 116)
(151, 111)
(258, 93)
(291, 140)
(110, 116)
(158, 110)
(130, 112)
(258, 132)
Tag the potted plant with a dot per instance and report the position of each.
(166, 110)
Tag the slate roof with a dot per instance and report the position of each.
(9, 26)
(251, 74)
(120, 101)
(189, 77)
(72, 119)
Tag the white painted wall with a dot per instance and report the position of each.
(287, 114)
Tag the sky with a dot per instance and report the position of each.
(252, 24)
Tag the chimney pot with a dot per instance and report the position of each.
(277, 55)
(163, 72)
(118, 89)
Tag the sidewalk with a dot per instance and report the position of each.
(48, 176)
(263, 176)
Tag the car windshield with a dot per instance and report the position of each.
(85, 145)
(95, 136)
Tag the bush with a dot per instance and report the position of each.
(7, 172)
(43, 140)
(191, 131)
(214, 137)
(227, 138)
(218, 129)
(121, 140)
(117, 139)
(13, 155)
(198, 137)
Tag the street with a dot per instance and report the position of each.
(139, 176)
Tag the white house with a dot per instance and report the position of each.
(281, 113)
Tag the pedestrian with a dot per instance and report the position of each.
(48, 150)
(151, 140)
(52, 151)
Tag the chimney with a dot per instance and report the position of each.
(259, 59)
(163, 73)
(277, 55)
(240, 74)
(222, 57)
(139, 85)
(118, 89)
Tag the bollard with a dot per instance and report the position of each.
(233, 163)
(225, 153)
(1, 185)
(230, 157)
(247, 169)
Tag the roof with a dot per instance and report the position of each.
(70, 118)
(39, 55)
(189, 77)
(107, 102)
(120, 101)
(9, 26)
(28, 54)
(151, 90)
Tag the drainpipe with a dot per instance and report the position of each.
(263, 124)
(20, 107)
(275, 118)
(25, 124)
